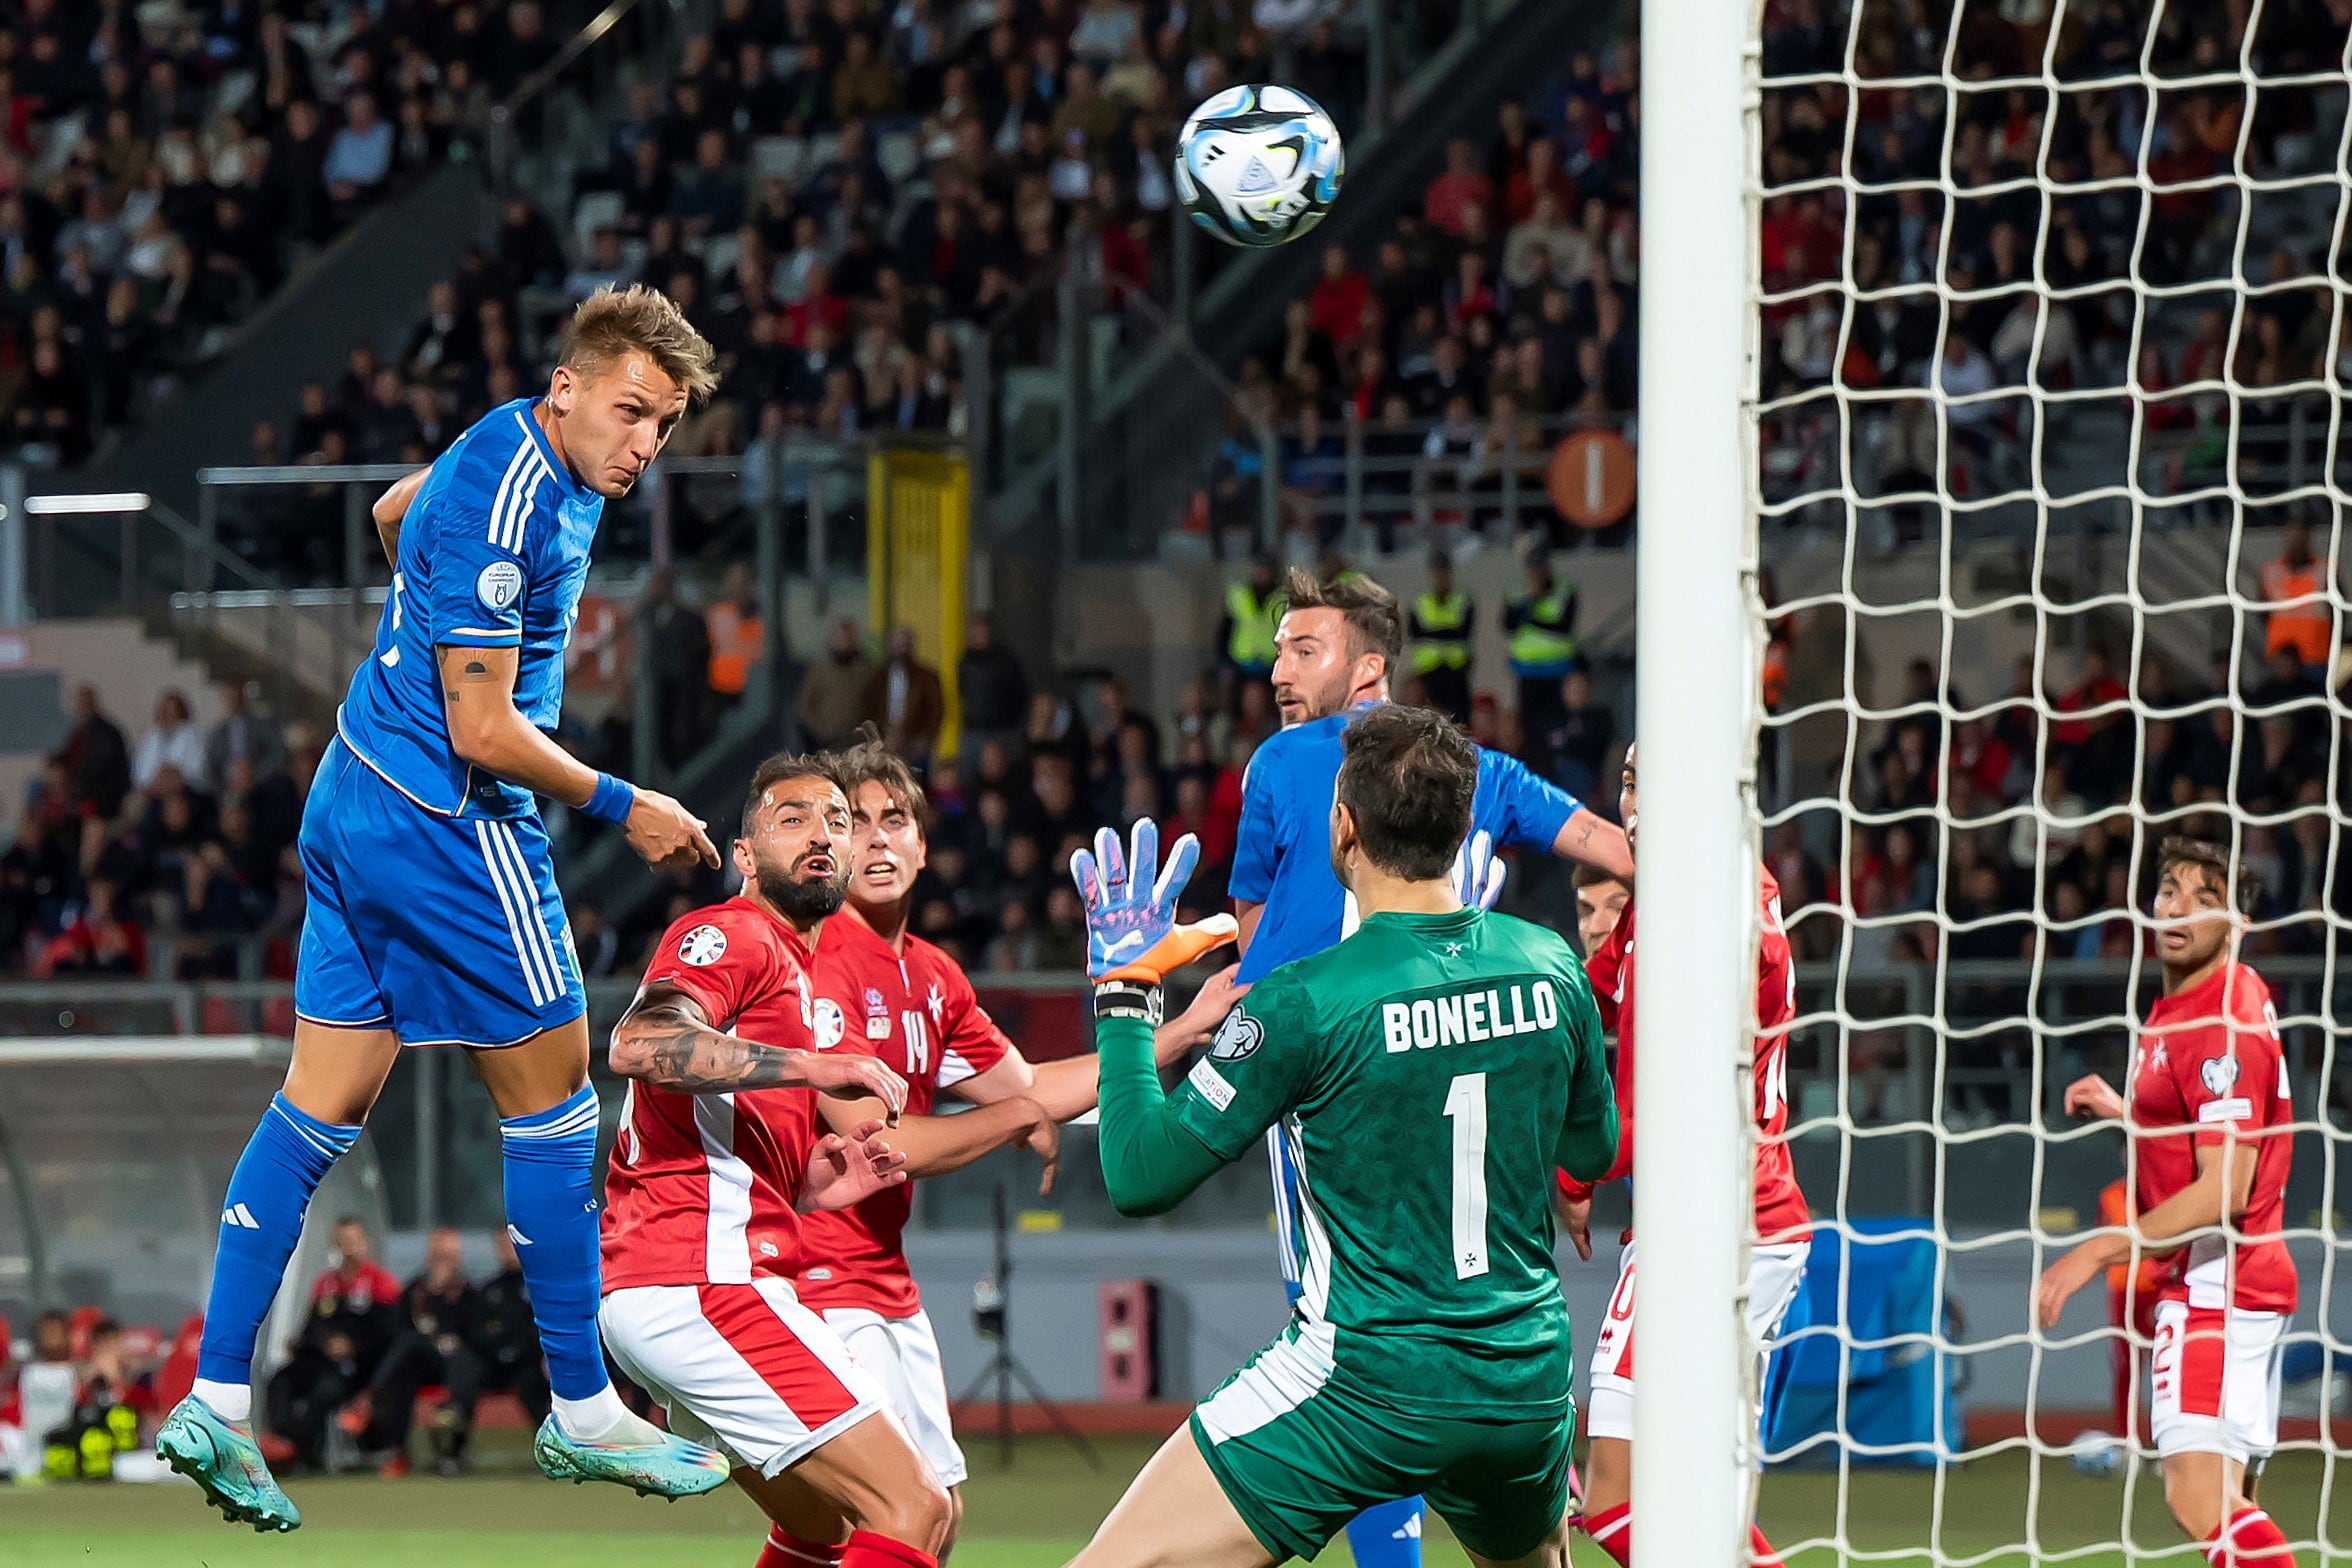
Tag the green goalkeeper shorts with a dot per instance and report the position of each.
(1299, 1454)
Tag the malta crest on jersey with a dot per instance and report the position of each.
(2219, 1074)
(877, 1015)
(702, 946)
(937, 1002)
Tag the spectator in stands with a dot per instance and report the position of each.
(354, 1313)
(1541, 625)
(430, 1346)
(174, 742)
(738, 636)
(992, 690)
(833, 689)
(505, 1338)
(677, 643)
(98, 939)
(1576, 745)
(97, 757)
(2303, 620)
(904, 701)
(1462, 185)
(113, 1399)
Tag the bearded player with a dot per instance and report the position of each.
(1776, 1261)
(719, 1155)
(1336, 647)
(1429, 1073)
(886, 992)
(2211, 1142)
(432, 915)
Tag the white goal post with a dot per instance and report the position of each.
(2069, 431)
(1695, 697)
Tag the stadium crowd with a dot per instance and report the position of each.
(830, 192)
(174, 856)
(1504, 308)
(164, 168)
(371, 1356)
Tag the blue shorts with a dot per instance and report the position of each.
(446, 930)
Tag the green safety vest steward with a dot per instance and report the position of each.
(1539, 646)
(1251, 642)
(1438, 643)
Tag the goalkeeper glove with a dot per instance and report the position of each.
(1478, 872)
(1132, 937)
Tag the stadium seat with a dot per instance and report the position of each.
(178, 1373)
(595, 210)
(900, 155)
(779, 157)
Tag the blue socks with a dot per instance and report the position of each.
(287, 1157)
(551, 1214)
(1387, 1536)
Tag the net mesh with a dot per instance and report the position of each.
(2053, 352)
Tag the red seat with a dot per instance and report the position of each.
(179, 1364)
(78, 1326)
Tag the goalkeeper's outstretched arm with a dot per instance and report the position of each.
(1151, 1162)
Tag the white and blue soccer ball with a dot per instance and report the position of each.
(1258, 165)
(2098, 1455)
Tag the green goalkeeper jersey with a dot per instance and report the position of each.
(1429, 1073)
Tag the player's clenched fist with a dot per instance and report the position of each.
(854, 1077)
(665, 834)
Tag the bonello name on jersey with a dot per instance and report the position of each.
(1496, 1013)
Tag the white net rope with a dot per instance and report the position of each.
(2054, 353)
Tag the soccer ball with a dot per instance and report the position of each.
(1258, 165)
(2098, 1455)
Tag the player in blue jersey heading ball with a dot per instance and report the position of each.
(1335, 648)
(433, 913)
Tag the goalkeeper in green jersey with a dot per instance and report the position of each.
(1429, 1073)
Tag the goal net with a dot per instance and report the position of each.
(2045, 305)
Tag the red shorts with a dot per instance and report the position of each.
(745, 1366)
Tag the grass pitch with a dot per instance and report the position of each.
(1034, 1515)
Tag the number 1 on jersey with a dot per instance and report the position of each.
(1465, 1107)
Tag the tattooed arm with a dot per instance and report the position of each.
(489, 731)
(665, 1040)
(1593, 839)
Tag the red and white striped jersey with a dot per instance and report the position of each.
(915, 1011)
(701, 1186)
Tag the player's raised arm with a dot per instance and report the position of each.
(1069, 1086)
(665, 1040)
(1538, 814)
(1151, 1159)
(489, 732)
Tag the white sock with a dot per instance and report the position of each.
(232, 1402)
(594, 1417)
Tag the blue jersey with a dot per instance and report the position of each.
(1283, 856)
(493, 554)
